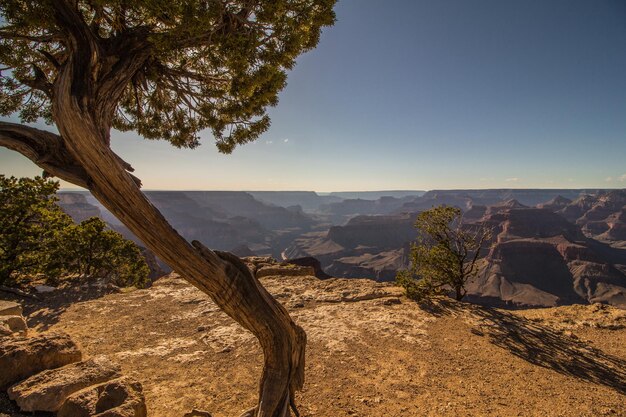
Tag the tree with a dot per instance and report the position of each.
(29, 221)
(90, 250)
(166, 69)
(36, 236)
(444, 255)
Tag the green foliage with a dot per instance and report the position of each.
(29, 222)
(444, 255)
(212, 65)
(88, 249)
(36, 236)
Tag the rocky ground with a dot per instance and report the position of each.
(371, 352)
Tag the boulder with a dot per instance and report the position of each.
(21, 357)
(48, 390)
(121, 397)
(9, 308)
(15, 324)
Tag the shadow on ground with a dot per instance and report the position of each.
(539, 344)
(46, 311)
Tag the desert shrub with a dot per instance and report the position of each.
(444, 256)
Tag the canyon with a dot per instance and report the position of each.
(549, 247)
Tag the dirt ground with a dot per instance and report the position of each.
(371, 352)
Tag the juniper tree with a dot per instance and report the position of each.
(91, 250)
(29, 222)
(167, 69)
(444, 255)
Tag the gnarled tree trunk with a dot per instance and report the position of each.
(220, 275)
(82, 110)
(225, 279)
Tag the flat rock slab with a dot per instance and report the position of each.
(9, 308)
(285, 270)
(48, 390)
(121, 397)
(21, 357)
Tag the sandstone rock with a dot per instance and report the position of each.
(48, 390)
(14, 323)
(285, 270)
(9, 308)
(121, 397)
(21, 357)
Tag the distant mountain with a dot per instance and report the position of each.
(308, 200)
(339, 213)
(550, 247)
(527, 197)
(601, 215)
(220, 219)
(239, 203)
(375, 195)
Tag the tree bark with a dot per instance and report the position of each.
(224, 278)
(81, 155)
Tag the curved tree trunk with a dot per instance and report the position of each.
(84, 96)
(81, 155)
(223, 277)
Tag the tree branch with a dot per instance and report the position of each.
(45, 149)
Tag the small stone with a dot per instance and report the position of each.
(392, 301)
(44, 288)
(197, 413)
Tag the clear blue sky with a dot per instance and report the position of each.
(429, 94)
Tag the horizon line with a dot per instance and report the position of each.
(78, 189)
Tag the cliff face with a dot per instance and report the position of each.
(599, 215)
(540, 259)
(76, 206)
(367, 246)
(375, 231)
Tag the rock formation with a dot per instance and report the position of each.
(11, 319)
(122, 397)
(21, 357)
(540, 259)
(48, 390)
